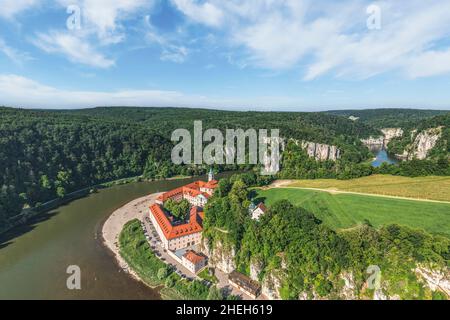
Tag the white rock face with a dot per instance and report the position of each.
(436, 280)
(348, 291)
(391, 133)
(255, 269)
(219, 257)
(424, 142)
(380, 295)
(271, 286)
(373, 141)
(321, 152)
(383, 141)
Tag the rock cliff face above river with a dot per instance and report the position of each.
(422, 145)
(383, 141)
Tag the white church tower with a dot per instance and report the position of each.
(210, 175)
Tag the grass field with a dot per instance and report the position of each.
(341, 211)
(431, 188)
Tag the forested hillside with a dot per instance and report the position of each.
(294, 255)
(390, 118)
(46, 154)
(318, 127)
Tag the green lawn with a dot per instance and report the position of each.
(341, 211)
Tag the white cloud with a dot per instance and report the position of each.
(13, 87)
(329, 37)
(102, 25)
(14, 55)
(207, 13)
(10, 8)
(170, 51)
(74, 48)
(105, 17)
(429, 64)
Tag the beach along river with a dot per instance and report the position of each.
(34, 258)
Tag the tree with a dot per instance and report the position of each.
(178, 210)
(215, 293)
(162, 273)
(170, 282)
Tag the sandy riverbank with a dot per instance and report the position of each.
(112, 227)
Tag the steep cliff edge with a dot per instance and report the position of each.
(423, 143)
(219, 256)
(383, 141)
(321, 152)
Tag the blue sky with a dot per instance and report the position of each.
(247, 55)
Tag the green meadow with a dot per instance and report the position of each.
(342, 211)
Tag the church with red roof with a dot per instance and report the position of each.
(174, 235)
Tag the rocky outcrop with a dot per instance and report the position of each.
(271, 285)
(373, 141)
(255, 270)
(435, 279)
(422, 145)
(218, 256)
(391, 133)
(383, 141)
(349, 289)
(320, 152)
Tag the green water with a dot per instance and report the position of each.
(34, 258)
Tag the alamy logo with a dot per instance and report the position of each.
(374, 280)
(74, 280)
(262, 148)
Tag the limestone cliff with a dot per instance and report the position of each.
(219, 256)
(423, 143)
(383, 141)
(435, 279)
(391, 133)
(321, 152)
(271, 285)
(318, 151)
(256, 267)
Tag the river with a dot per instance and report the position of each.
(34, 258)
(382, 156)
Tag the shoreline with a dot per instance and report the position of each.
(113, 225)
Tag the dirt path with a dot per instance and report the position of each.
(284, 184)
(112, 227)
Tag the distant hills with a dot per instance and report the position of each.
(390, 118)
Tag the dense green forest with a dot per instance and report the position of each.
(309, 256)
(390, 118)
(46, 154)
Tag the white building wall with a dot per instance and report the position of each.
(257, 213)
(194, 268)
(185, 241)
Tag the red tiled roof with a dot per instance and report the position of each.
(262, 207)
(192, 189)
(211, 184)
(170, 231)
(193, 257)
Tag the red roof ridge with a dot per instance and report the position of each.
(193, 256)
